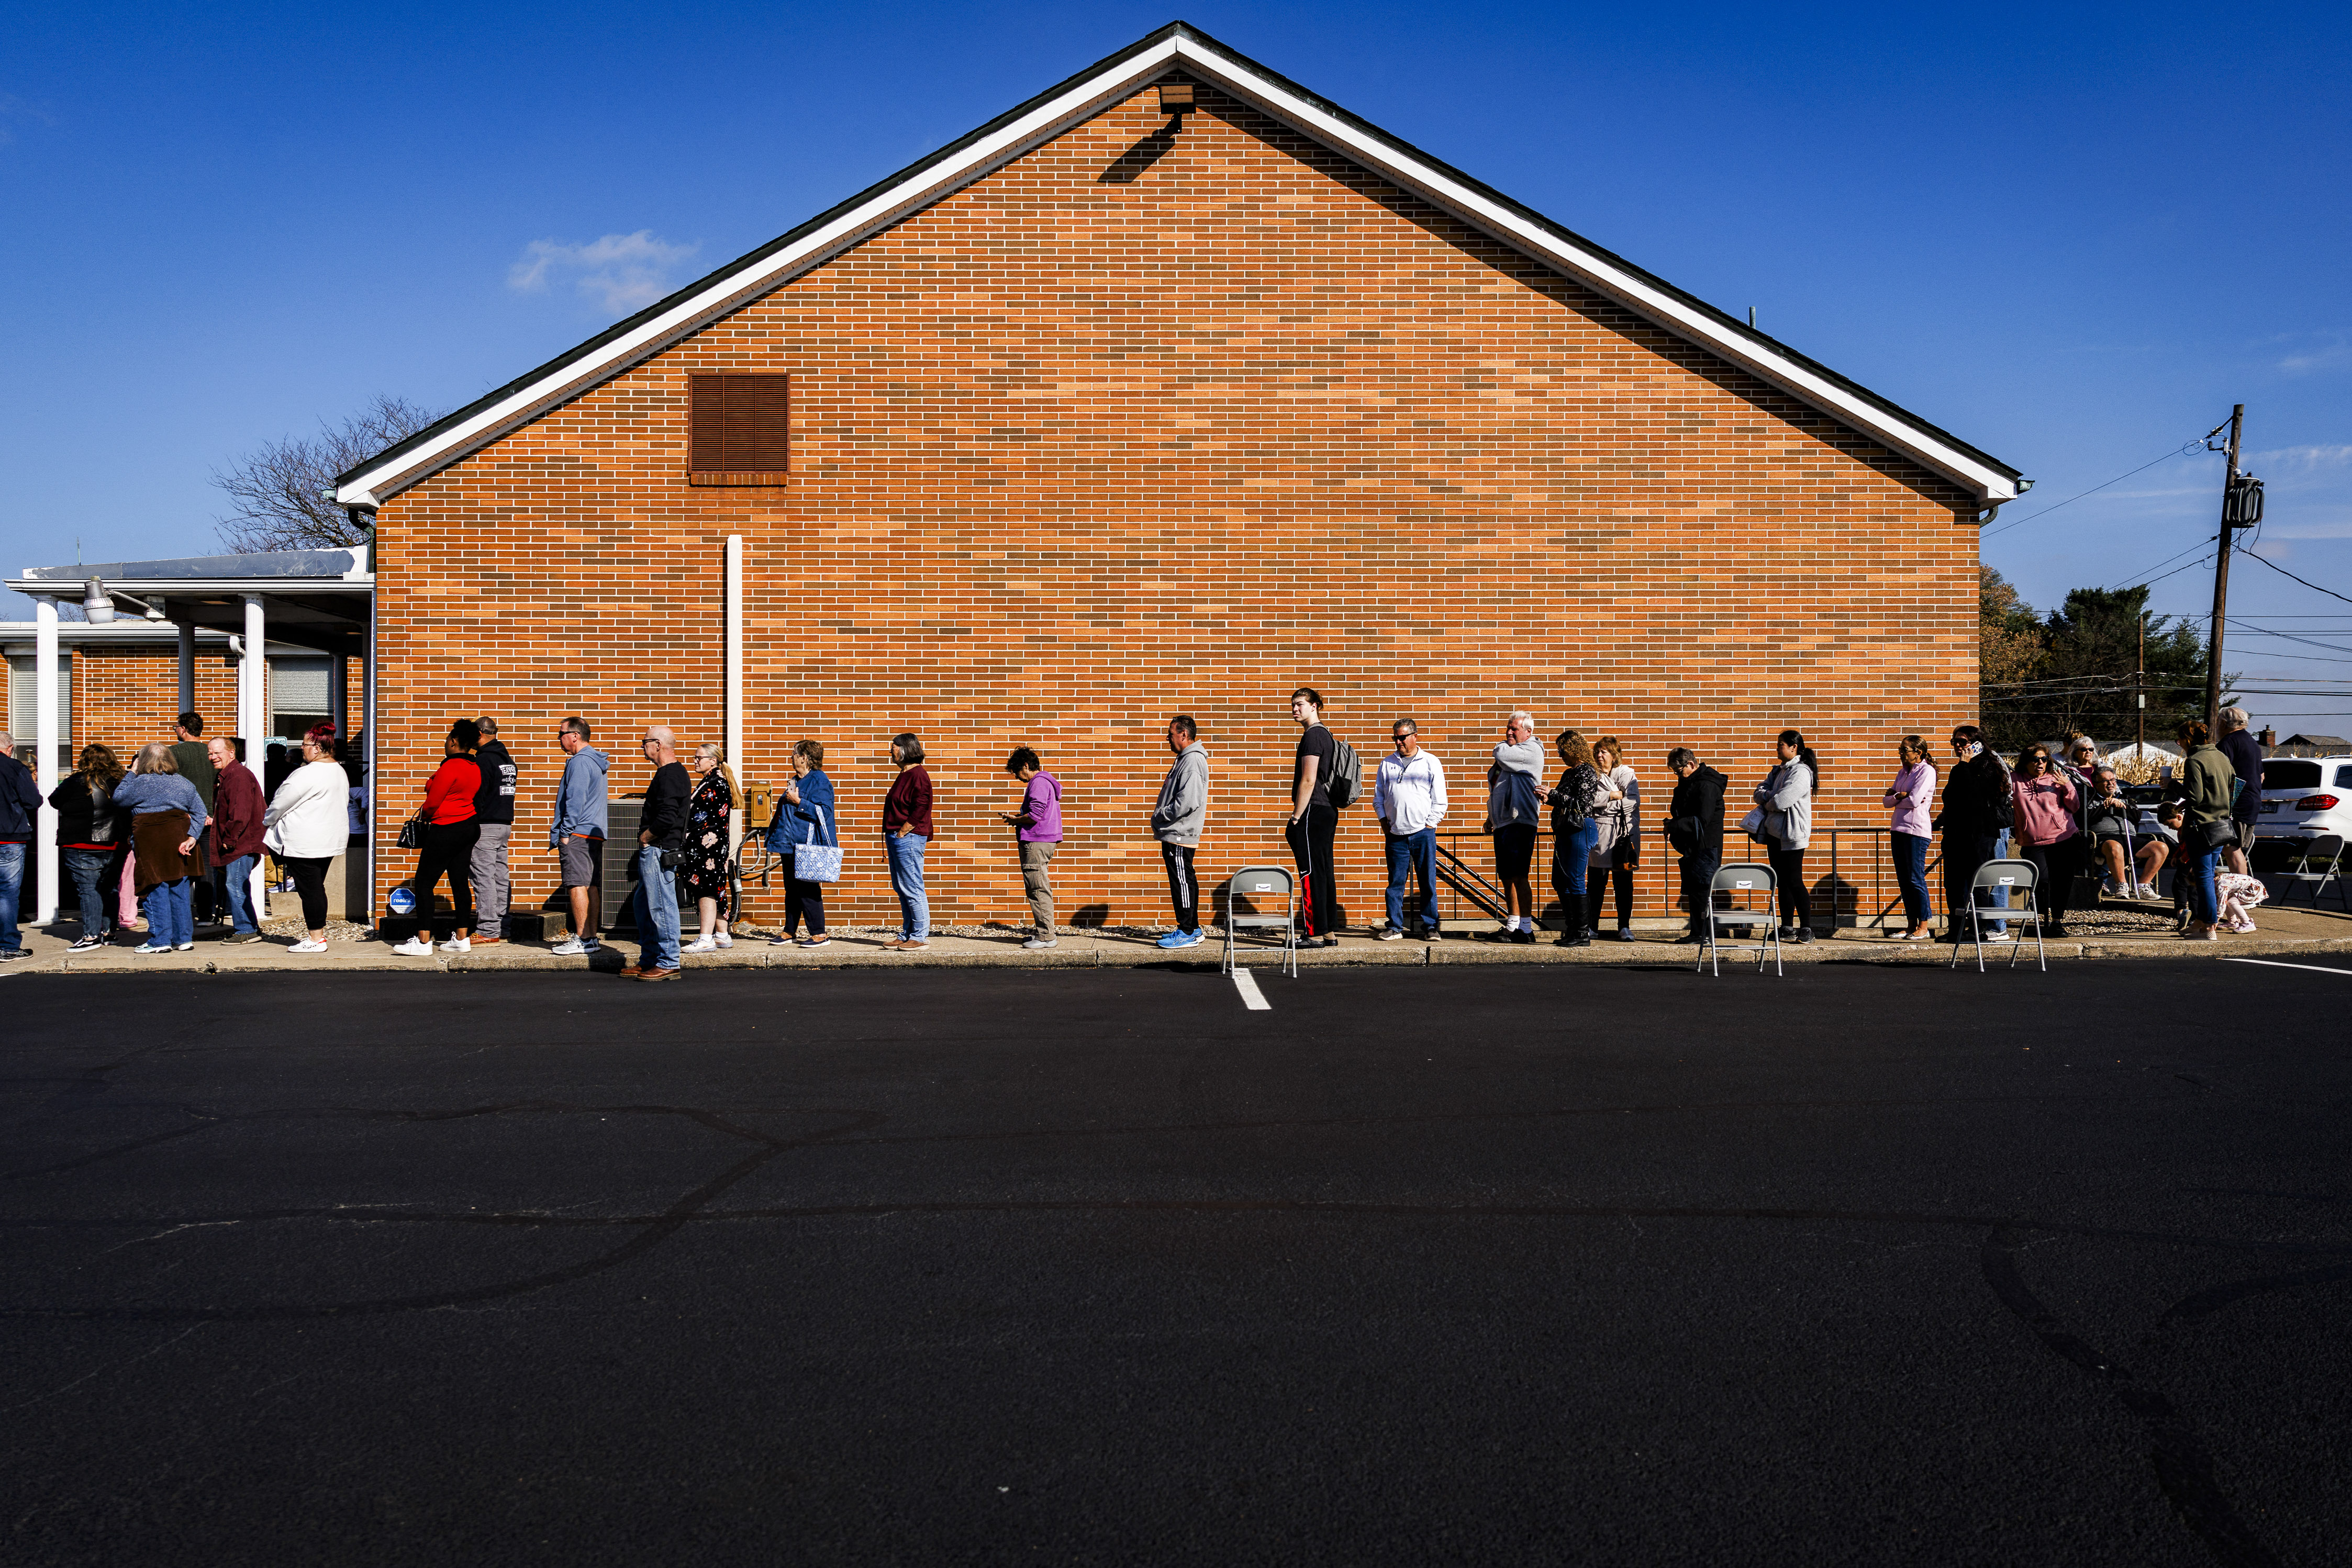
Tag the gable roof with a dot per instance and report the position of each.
(1178, 48)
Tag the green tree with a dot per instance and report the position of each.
(2081, 676)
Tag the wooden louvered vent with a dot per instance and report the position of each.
(739, 428)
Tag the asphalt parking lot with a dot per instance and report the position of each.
(1863, 1265)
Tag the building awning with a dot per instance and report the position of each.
(310, 598)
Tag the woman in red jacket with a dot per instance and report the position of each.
(450, 830)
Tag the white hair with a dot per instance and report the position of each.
(2235, 717)
(1521, 716)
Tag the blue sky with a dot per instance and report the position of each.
(2072, 234)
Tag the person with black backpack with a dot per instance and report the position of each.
(1324, 776)
(1979, 807)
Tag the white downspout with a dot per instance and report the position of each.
(734, 696)
(253, 722)
(45, 757)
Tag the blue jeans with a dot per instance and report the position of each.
(1568, 858)
(907, 882)
(240, 872)
(172, 913)
(93, 888)
(2204, 898)
(1416, 852)
(655, 905)
(1911, 876)
(12, 882)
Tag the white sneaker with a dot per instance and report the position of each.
(151, 947)
(2147, 891)
(458, 944)
(701, 945)
(1039, 944)
(307, 946)
(1998, 936)
(184, 946)
(414, 948)
(724, 940)
(569, 947)
(2108, 889)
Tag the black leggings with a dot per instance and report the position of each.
(1184, 887)
(309, 874)
(2056, 863)
(1597, 883)
(803, 898)
(1310, 846)
(447, 848)
(1796, 898)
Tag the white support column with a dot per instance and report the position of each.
(45, 758)
(253, 716)
(734, 692)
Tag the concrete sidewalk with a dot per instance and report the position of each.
(2283, 933)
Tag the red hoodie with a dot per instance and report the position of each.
(449, 798)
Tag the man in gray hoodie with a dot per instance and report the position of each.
(1176, 822)
(577, 836)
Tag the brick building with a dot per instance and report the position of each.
(1119, 407)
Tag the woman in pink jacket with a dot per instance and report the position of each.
(2049, 808)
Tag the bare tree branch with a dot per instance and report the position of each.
(279, 492)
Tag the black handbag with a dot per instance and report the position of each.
(412, 832)
(2218, 834)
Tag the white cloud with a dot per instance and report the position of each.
(2319, 357)
(626, 272)
(2302, 459)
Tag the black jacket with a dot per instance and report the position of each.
(494, 802)
(1694, 816)
(666, 802)
(1974, 795)
(20, 801)
(86, 814)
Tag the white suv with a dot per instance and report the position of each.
(2303, 796)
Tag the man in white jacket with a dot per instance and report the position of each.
(1409, 798)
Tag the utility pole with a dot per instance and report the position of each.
(2221, 574)
(2139, 691)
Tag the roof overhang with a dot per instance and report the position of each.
(309, 599)
(1175, 48)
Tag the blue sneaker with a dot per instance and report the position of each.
(1182, 940)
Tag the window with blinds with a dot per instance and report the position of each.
(739, 427)
(23, 681)
(301, 693)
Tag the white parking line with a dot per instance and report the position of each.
(1252, 998)
(2274, 963)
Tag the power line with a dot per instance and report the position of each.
(2304, 580)
(2181, 451)
(2167, 561)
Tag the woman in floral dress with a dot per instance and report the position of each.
(702, 870)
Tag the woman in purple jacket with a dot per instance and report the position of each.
(1911, 799)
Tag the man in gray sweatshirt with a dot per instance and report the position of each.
(577, 835)
(1176, 822)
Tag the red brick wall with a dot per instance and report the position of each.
(1103, 437)
(125, 697)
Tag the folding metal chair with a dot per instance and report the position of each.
(1247, 893)
(1757, 881)
(2327, 852)
(2018, 879)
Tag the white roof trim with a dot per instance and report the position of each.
(1754, 353)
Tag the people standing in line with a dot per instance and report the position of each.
(1177, 819)
(1694, 833)
(1979, 807)
(1409, 798)
(661, 844)
(192, 758)
(2207, 784)
(1619, 849)
(235, 836)
(167, 819)
(1576, 802)
(1037, 834)
(2245, 755)
(450, 830)
(1514, 816)
(1911, 802)
(307, 827)
(91, 837)
(905, 836)
(583, 818)
(706, 870)
(494, 810)
(1786, 799)
(2046, 812)
(1314, 820)
(20, 809)
(804, 815)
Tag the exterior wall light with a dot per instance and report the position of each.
(1176, 97)
(96, 604)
